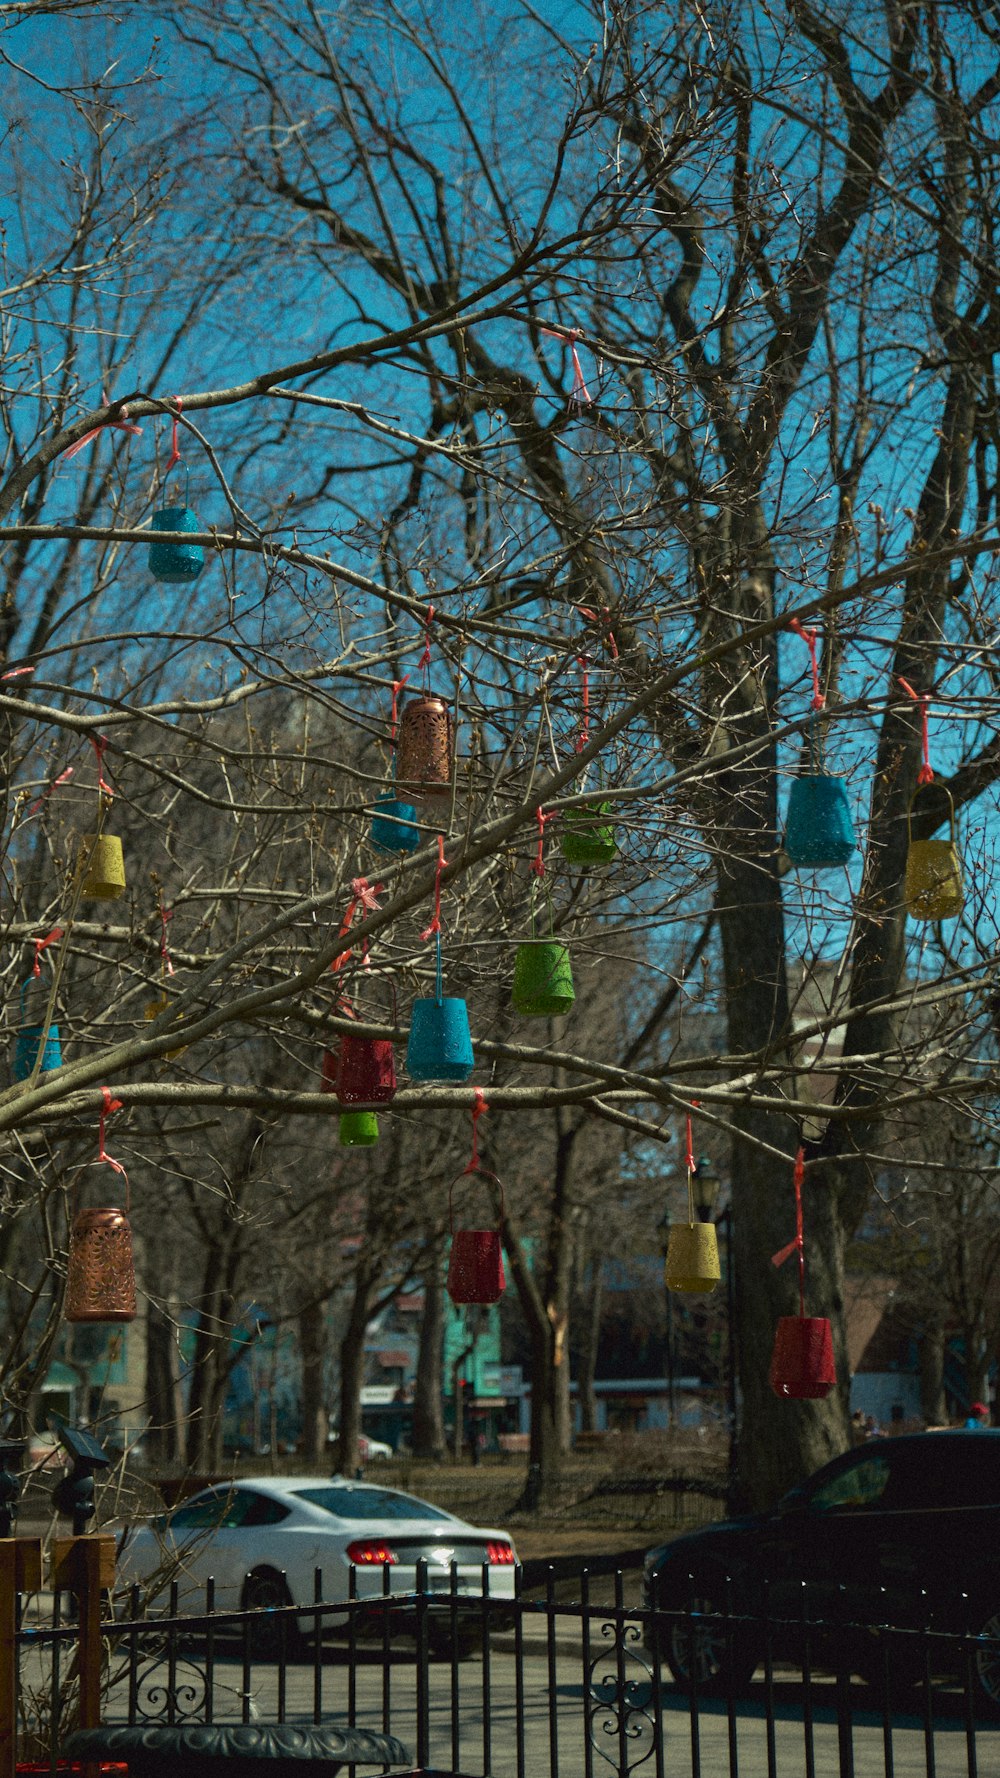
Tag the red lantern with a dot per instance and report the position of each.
(475, 1266)
(362, 1072)
(367, 1072)
(802, 1366)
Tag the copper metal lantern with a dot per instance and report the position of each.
(100, 1280)
(424, 756)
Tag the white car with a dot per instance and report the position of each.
(262, 1539)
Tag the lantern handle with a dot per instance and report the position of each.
(951, 809)
(98, 1162)
(481, 1173)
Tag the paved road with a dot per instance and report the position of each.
(517, 1738)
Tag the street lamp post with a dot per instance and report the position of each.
(705, 1188)
(663, 1230)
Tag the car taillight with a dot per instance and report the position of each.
(369, 1551)
(499, 1553)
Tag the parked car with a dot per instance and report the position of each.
(902, 1532)
(261, 1540)
(368, 1448)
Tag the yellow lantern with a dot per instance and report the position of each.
(932, 887)
(102, 867)
(693, 1258)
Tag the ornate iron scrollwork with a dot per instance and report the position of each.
(166, 1696)
(621, 1724)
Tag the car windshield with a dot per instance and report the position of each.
(369, 1503)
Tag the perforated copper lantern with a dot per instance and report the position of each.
(423, 760)
(100, 1280)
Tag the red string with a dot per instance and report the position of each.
(689, 1158)
(580, 395)
(584, 735)
(593, 618)
(175, 452)
(796, 1246)
(40, 944)
(99, 743)
(363, 895)
(107, 1107)
(538, 867)
(424, 663)
(435, 925)
(478, 1108)
(925, 774)
(809, 638)
(121, 421)
(397, 686)
(68, 773)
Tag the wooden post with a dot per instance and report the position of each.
(20, 1572)
(86, 1567)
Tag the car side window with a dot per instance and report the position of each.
(862, 1484)
(217, 1512)
(263, 1510)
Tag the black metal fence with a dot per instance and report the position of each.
(538, 1686)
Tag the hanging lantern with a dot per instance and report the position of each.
(424, 755)
(358, 1129)
(802, 1366)
(392, 826)
(588, 836)
(151, 1011)
(100, 1279)
(32, 1035)
(693, 1258)
(440, 1043)
(101, 866)
(176, 561)
(932, 887)
(475, 1264)
(802, 1360)
(366, 1072)
(819, 831)
(543, 979)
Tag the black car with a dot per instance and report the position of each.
(902, 1532)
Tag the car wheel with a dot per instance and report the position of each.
(714, 1657)
(986, 1666)
(461, 1644)
(265, 1590)
(898, 1660)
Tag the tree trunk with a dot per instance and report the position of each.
(428, 1405)
(932, 1402)
(352, 1371)
(588, 1353)
(312, 1343)
(163, 1391)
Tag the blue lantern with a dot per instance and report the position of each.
(440, 1043)
(819, 831)
(176, 561)
(34, 1037)
(392, 826)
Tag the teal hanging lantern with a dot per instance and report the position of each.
(440, 1043)
(176, 562)
(819, 832)
(588, 837)
(32, 1035)
(393, 828)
